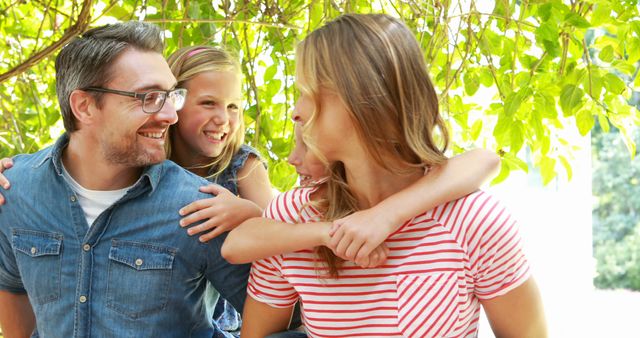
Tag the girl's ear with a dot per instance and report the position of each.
(83, 106)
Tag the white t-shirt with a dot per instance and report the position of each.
(441, 264)
(93, 202)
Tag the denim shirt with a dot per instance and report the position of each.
(133, 273)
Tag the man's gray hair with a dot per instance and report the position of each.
(86, 61)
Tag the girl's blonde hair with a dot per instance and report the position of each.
(375, 65)
(185, 64)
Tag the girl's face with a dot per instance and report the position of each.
(308, 166)
(210, 115)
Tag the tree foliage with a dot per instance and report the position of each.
(616, 212)
(542, 67)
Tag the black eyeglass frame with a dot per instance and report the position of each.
(141, 96)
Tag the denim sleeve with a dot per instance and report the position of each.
(9, 274)
(229, 279)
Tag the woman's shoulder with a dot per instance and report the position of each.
(292, 206)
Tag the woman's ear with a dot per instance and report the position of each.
(83, 106)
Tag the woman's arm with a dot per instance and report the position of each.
(356, 235)
(260, 319)
(16, 316)
(518, 313)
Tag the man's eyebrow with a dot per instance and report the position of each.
(155, 87)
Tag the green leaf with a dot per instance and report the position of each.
(552, 47)
(501, 130)
(270, 72)
(624, 67)
(584, 121)
(194, 10)
(601, 14)
(576, 20)
(545, 104)
(547, 31)
(606, 54)
(503, 174)
(633, 50)
(514, 161)
(547, 169)
(471, 82)
(486, 78)
(604, 124)
(476, 128)
(570, 98)
(517, 137)
(544, 11)
(613, 84)
(567, 166)
(535, 122)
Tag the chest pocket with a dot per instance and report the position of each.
(139, 277)
(428, 305)
(38, 255)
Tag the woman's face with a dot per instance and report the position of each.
(308, 166)
(332, 129)
(210, 116)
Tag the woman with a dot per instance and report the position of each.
(366, 73)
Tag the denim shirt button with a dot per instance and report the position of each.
(83, 299)
(86, 247)
(33, 250)
(73, 198)
(138, 262)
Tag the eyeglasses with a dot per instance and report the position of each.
(152, 101)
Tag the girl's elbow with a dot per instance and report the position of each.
(229, 251)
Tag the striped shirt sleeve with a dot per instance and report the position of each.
(497, 261)
(266, 283)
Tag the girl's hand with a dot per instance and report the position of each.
(356, 236)
(222, 212)
(5, 163)
(375, 258)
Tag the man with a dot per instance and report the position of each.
(89, 243)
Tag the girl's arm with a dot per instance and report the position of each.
(254, 184)
(356, 235)
(260, 237)
(260, 319)
(225, 211)
(5, 163)
(519, 313)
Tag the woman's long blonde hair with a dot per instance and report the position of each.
(375, 65)
(186, 63)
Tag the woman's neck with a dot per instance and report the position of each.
(371, 183)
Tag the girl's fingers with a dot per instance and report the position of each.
(197, 205)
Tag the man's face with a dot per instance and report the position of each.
(125, 134)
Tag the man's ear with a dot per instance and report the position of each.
(83, 105)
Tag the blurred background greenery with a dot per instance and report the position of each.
(513, 76)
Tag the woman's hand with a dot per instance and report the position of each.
(221, 213)
(5, 163)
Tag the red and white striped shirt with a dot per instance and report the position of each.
(440, 264)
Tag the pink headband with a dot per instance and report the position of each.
(195, 51)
